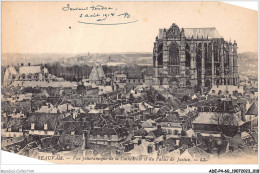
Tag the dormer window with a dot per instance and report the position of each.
(33, 126)
(9, 129)
(20, 129)
(23, 76)
(45, 126)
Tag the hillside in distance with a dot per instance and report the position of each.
(248, 63)
(110, 59)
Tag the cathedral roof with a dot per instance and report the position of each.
(201, 32)
(197, 33)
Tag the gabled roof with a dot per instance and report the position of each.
(97, 73)
(198, 152)
(100, 71)
(107, 131)
(29, 69)
(12, 70)
(245, 135)
(15, 124)
(40, 119)
(76, 126)
(148, 123)
(190, 133)
(94, 74)
(252, 110)
(142, 149)
(48, 109)
(213, 117)
(173, 117)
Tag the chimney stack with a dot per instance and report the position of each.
(126, 147)
(118, 153)
(32, 126)
(139, 142)
(131, 146)
(150, 149)
(45, 126)
(177, 142)
(156, 145)
(164, 137)
(86, 139)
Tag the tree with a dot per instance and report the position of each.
(225, 122)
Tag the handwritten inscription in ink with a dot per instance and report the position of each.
(97, 14)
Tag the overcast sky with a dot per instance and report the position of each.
(43, 27)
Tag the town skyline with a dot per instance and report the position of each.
(191, 98)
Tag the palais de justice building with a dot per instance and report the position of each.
(194, 57)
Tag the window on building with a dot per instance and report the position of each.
(169, 132)
(176, 132)
(213, 91)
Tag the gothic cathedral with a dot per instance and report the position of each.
(195, 57)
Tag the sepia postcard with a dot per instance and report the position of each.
(130, 82)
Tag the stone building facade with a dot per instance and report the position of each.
(197, 57)
(22, 73)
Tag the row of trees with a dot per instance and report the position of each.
(79, 72)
